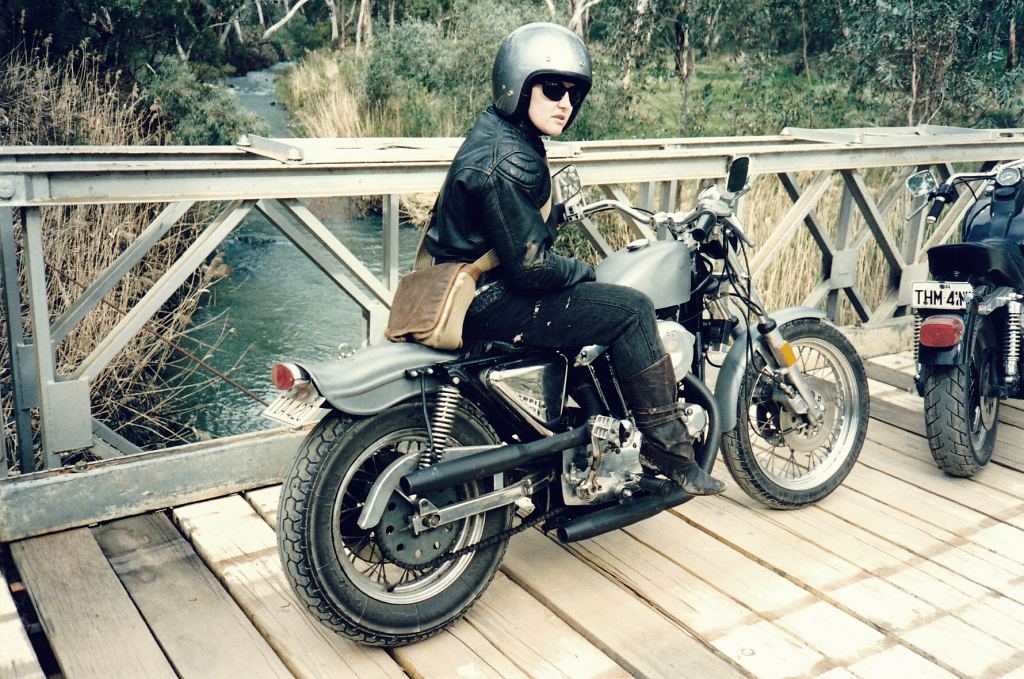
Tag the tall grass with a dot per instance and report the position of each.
(73, 101)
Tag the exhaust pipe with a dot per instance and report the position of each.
(446, 474)
(664, 495)
(707, 451)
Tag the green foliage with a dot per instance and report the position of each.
(419, 67)
(196, 113)
(919, 62)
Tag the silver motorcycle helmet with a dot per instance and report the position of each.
(530, 52)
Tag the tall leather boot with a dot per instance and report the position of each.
(667, 445)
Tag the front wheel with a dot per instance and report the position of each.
(349, 578)
(961, 406)
(778, 457)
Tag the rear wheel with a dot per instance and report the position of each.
(348, 577)
(962, 406)
(778, 457)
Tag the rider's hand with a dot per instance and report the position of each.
(558, 213)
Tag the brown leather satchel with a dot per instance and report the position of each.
(430, 303)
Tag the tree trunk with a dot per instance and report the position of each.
(285, 19)
(364, 26)
(391, 13)
(332, 7)
(580, 8)
(803, 27)
(1011, 52)
(259, 14)
(639, 37)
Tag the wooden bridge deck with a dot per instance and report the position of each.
(901, 572)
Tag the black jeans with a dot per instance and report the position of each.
(614, 316)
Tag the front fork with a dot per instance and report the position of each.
(799, 397)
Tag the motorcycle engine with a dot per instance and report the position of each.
(605, 470)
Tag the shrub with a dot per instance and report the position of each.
(195, 112)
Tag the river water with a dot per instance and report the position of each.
(275, 304)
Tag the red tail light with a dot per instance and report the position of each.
(942, 332)
(286, 375)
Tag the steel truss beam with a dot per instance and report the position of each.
(54, 500)
(272, 175)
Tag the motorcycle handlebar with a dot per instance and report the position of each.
(610, 204)
(702, 226)
(936, 209)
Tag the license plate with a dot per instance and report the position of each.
(295, 412)
(935, 295)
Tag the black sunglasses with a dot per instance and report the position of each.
(554, 90)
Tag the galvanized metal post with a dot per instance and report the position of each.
(842, 236)
(22, 371)
(65, 421)
(390, 219)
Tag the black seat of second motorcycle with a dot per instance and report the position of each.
(997, 258)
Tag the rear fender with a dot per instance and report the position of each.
(376, 377)
(730, 375)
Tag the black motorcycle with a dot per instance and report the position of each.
(396, 512)
(968, 319)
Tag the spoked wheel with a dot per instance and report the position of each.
(780, 458)
(378, 586)
(962, 406)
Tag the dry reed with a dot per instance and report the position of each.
(74, 102)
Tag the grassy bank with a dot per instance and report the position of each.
(73, 101)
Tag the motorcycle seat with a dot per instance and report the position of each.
(996, 258)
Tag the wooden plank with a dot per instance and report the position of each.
(978, 654)
(898, 661)
(906, 410)
(748, 639)
(927, 541)
(91, 623)
(994, 504)
(638, 638)
(241, 551)
(507, 619)
(18, 660)
(869, 598)
(534, 638)
(900, 441)
(199, 627)
(945, 589)
(709, 587)
(456, 651)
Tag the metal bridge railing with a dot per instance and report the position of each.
(271, 176)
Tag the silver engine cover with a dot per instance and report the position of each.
(660, 270)
(607, 469)
(678, 343)
(535, 391)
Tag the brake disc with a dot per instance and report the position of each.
(400, 543)
(798, 431)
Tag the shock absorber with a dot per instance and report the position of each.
(1013, 332)
(917, 337)
(441, 427)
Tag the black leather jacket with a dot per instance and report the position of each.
(492, 197)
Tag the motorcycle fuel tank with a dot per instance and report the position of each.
(659, 269)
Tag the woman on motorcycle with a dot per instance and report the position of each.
(498, 195)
